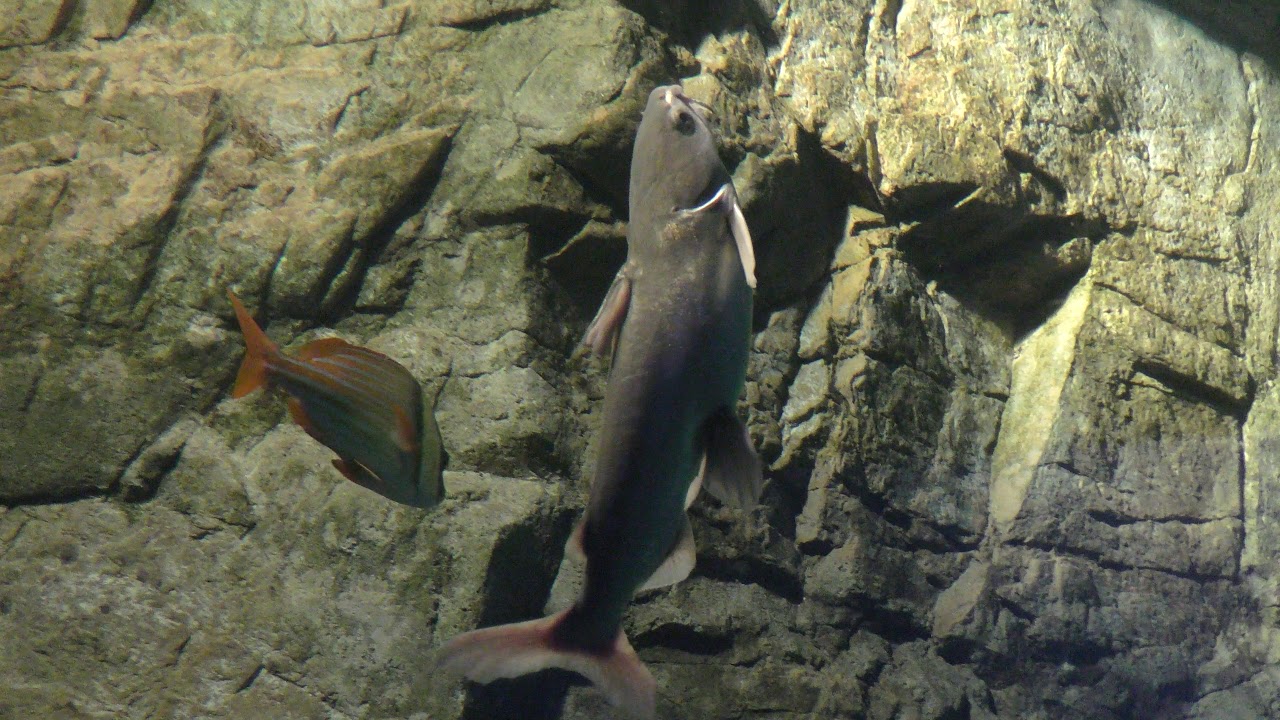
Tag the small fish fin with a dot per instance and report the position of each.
(324, 347)
(733, 473)
(360, 475)
(299, 414)
(573, 547)
(509, 651)
(258, 347)
(679, 562)
(602, 333)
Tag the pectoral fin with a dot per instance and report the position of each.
(679, 562)
(602, 334)
(360, 475)
(742, 238)
(733, 473)
(726, 201)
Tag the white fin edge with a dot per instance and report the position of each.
(602, 334)
(715, 199)
(509, 651)
(742, 237)
(737, 227)
(695, 485)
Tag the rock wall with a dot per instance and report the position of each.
(1015, 370)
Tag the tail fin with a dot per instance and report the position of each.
(509, 651)
(253, 371)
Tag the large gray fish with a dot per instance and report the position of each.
(678, 318)
(359, 403)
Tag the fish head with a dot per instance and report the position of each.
(675, 165)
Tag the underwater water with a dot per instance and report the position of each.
(991, 287)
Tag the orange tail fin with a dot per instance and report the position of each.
(509, 651)
(258, 347)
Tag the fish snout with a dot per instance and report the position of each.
(672, 94)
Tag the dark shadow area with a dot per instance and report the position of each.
(896, 626)
(497, 17)
(797, 219)
(524, 565)
(919, 203)
(1007, 263)
(550, 228)
(518, 583)
(1024, 163)
(340, 294)
(1251, 26)
(687, 21)
(785, 492)
(605, 173)
(584, 268)
(539, 696)
(683, 638)
(784, 582)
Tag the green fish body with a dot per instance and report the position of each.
(359, 403)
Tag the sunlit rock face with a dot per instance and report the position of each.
(1014, 371)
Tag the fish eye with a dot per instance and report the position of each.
(684, 123)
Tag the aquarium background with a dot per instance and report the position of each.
(1014, 370)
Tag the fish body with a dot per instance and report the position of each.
(359, 403)
(678, 318)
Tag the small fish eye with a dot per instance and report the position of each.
(684, 123)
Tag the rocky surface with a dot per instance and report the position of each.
(1015, 369)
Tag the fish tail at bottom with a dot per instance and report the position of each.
(509, 651)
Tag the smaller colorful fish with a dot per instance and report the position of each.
(361, 404)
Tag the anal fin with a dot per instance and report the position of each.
(676, 567)
(679, 562)
(732, 473)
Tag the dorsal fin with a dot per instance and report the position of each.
(323, 347)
